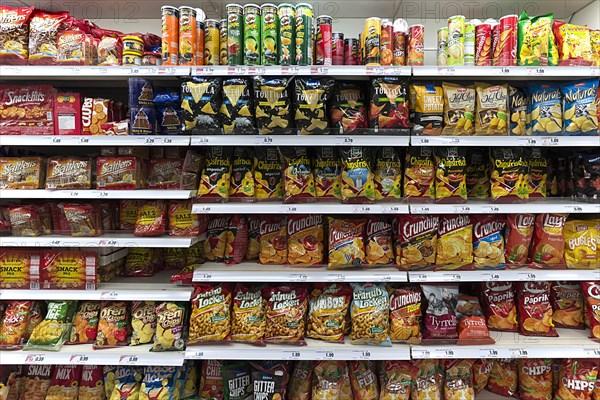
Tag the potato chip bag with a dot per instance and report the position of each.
(286, 309)
(415, 240)
(237, 109)
(518, 104)
(210, 319)
(273, 240)
(272, 105)
(211, 380)
(327, 379)
(535, 310)
(580, 116)
(547, 249)
(509, 174)
(35, 381)
(363, 378)
(298, 178)
(348, 112)
(595, 43)
(581, 243)
(519, 233)
(91, 386)
(454, 242)
(85, 323)
(586, 175)
(14, 324)
(405, 314)
(546, 108)
(248, 314)
(504, 379)
(267, 174)
(158, 381)
(428, 101)
(577, 379)
(491, 110)
(567, 304)
(64, 384)
(113, 328)
(300, 381)
(109, 379)
(472, 327)
(537, 177)
(237, 240)
(458, 379)
(440, 316)
(535, 44)
(305, 239)
(369, 313)
(481, 374)
(237, 381)
(36, 315)
(488, 241)
(396, 379)
(450, 179)
(54, 330)
(216, 238)
(477, 173)
(459, 109)
(143, 322)
(190, 386)
(127, 383)
(327, 171)
(311, 97)
(253, 249)
(270, 379)
(497, 299)
(573, 43)
(141, 261)
(241, 187)
(357, 175)
(346, 386)
(327, 308)
(170, 321)
(346, 246)
(379, 249)
(388, 174)
(419, 173)
(591, 293)
(200, 102)
(215, 180)
(389, 104)
(429, 380)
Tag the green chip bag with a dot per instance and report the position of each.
(55, 329)
(535, 44)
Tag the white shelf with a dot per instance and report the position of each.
(536, 206)
(250, 271)
(571, 343)
(544, 141)
(315, 350)
(108, 240)
(300, 140)
(86, 140)
(84, 354)
(97, 194)
(292, 70)
(94, 72)
(506, 73)
(521, 274)
(305, 208)
(156, 288)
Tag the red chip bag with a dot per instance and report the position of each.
(547, 250)
(567, 305)
(519, 232)
(25, 220)
(472, 328)
(535, 311)
(481, 373)
(211, 380)
(504, 377)
(216, 238)
(14, 23)
(237, 240)
(577, 379)
(405, 314)
(499, 307)
(151, 219)
(415, 240)
(591, 292)
(440, 317)
(535, 379)
(91, 385)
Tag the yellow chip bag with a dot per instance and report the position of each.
(216, 175)
(573, 42)
(346, 246)
(273, 240)
(459, 109)
(215, 245)
(143, 322)
(491, 116)
(450, 177)
(581, 243)
(305, 239)
(454, 242)
(298, 178)
(267, 174)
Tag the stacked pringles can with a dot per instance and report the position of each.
(384, 42)
(488, 43)
(183, 35)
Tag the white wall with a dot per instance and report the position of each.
(589, 15)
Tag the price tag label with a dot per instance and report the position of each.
(9, 70)
(128, 360)
(167, 140)
(595, 71)
(205, 70)
(382, 277)
(519, 353)
(285, 70)
(488, 353)
(55, 140)
(204, 276)
(537, 71)
(167, 70)
(527, 276)
(133, 71)
(592, 352)
(101, 71)
(336, 278)
(200, 141)
(444, 353)
(289, 209)
(527, 141)
(420, 209)
(459, 209)
(84, 140)
(597, 275)
(263, 140)
(102, 194)
(325, 355)
(107, 242)
(446, 71)
(361, 354)
(238, 70)
(80, 359)
(148, 140)
(291, 355)
(35, 358)
(451, 277)
(417, 277)
(490, 276)
(454, 140)
(109, 295)
(75, 70)
(390, 209)
(344, 140)
(298, 277)
(360, 209)
(198, 355)
(201, 208)
(550, 141)
(319, 70)
(491, 209)
(502, 71)
(375, 70)
(73, 194)
(574, 208)
(420, 353)
(418, 140)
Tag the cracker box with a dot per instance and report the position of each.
(67, 114)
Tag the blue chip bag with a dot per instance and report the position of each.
(546, 109)
(126, 383)
(159, 383)
(168, 112)
(370, 314)
(579, 107)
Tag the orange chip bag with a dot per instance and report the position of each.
(419, 173)
(519, 232)
(346, 246)
(481, 374)
(591, 292)
(499, 306)
(305, 239)
(472, 328)
(379, 248)
(415, 239)
(328, 305)
(535, 310)
(567, 305)
(113, 326)
(85, 323)
(504, 377)
(388, 174)
(396, 378)
(286, 309)
(273, 240)
(535, 379)
(216, 238)
(573, 43)
(405, 314)
(577, 379)
(363, 377)
(14, 323)
(298, 178)
(548, 240)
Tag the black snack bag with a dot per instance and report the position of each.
(348, 111)
(237, 109)
(389, 103)
(200, 102)
(272, 105)
(311, 97)
(270, 379)
(586, 175)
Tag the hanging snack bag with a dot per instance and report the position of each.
(242, 178)
(272, 105)
(491, 109)
(440, 317)
(576, 379)
(200, 102)
(477, 173)
(388, 174)
(429, 108)
(216, 238)
(535, 310)
(548, 245)
(546, 108)
(379, 249)
(396, 379)
(519, 233)
(273, 240)
(455, 242)
(357, 175)
(327, 171)
(65, 382)
(305, 239)
(363, 378)
(458, 379)
(300, 381)
(415, 240)
(499, 306)
(459, 109)
(509, 174)
(298, 178)
(581, 245)
(311, 98)
(151, 219)
(170, 323)
(518, 105)
(328, 306)
(268, 174)
(210, 319)
(538, 172)
(143, 322)
(405, 314)
(346, 246)
(113, 328)
(428, 381)
(54, 330)
(592, 302)
(237, 109)
(85, 323)
(286, 309)
(472, 328)
(216, 175)
(248, 323)
(567, 304)
(488, 241)
(369, 314)
(481, 374)
(419, 173)
(450, 179)
(389, 104)
(347, 109)
(579, 107)
(536, 44)
(504, 379)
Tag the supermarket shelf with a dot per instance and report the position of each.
(306, 208)
(97, 194)
(156, 288)
(506, 73)
(105, 259)
(320, 70)
(521, 274)
(536, 206)
(19, 72)
(126, 140)
(545, 141)
(570, 344)
(300, 140)
(486, 395)
(315, 350)
(108, 240)
(249, 271)
(83, 354)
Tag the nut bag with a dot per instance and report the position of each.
(440, 317)
(54, 330)
(237, 108)
(268, 174)
(580, 116)
(488, 241)
(520, 119)
(311, 96)
(85, 323)
(509, 174)
(363, 378)
(504, 379)
(346, 245)
(577, 379)
(591, 293)
(519, 233)
(379, 249)
(535, 310)
(305, 239)
(472, 327)
(450, 179)
(581, 243)
(388, 174)
(497, 299)
(415, 240)
(454, 242)
(405, 314)
(286, 309)
(535, 44)
(369, 314)
(491, 109)
(357, 175)
(459, 109)
(419, 173)
(477, 173)
(546, 108)
(347, 111)
(273, 240)
(143, 322)
(242, 187)
(428, 102)
(567, 304)
(537, 177)
(327, 309)
(548, 240)
(248, 323)
(389, 104)
(200, 102)
(210, 319)
(327, 171)
(298, 178)
(170, 322)
(215, 180)
(272, 105)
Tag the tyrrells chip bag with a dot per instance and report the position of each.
(579, 107)
(200, 102)
(311, 98)
(348, 111)
(272, 105)
(237, 109)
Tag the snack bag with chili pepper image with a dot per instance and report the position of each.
(298, 178)
(510, 169)
(348, 112)
(389, 104)
(113, 328)
(215, 181)
(450, 176)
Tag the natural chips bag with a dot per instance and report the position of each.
(535, 310)
(405, 314)
(327, 308)
(327, 171)
(477, 173)
(248, 316)
(241, 187)
(415, 239)
(581, 243)
(579, 107)
(210, 319)
(273, 240)
(286, 309)
(536, 41)
(200, 102)
(298, 178)
(509, 174)
(267, 174)
(577, 379)
(546, 108)
(491, 110)
(548, 240)
(311, 99)
(450, 179)
(458, 379)
(216, 238)
(519, 233)
(454, 242)
(573, 43)
(357, 175)
(379, 249)
(346, 246)
(389, 103)
(237, 109)
(348, 111)
(363, 378)
(440, 315)
(504, 377)
(170, 322)
(459, 109)
(488, 241)
(518, 104)
(419, 173)
(591, 293)
(305, 239)
(499, 306)
(272, 105)
(538, 172)
(428, 100)
(216, 175)
(369, 313)
(85, 323)
(567, 304)
(388, 174)
(143, 322)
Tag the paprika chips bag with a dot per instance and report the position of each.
(518, 105)
(298, 178)
(216, 175)
(567, 305)
(535, 310)
(450, 179)
(581, 243)
(273, 240)
(405, 314)
(458, 380)
(347, 112)
(509, 174)
(535, 44)
(388, 174)
(286, 309)
(504, 379)
(573, 43)
(497, 299)
(312, 94)
(357, 175)
(211, 380)
(472, 327)
(248, 316)
(237, 240)
(547, 249)
(389, 104)
(454, 242)
(85, 323)
(419, 173)
(272, 105)
(241, 187)
(200, 102)
(267, 174)
(363, 378)
(492, 108)
(328, 305)
(440, 316)
(428, 100)
(379, 249)
(369, 313)
(481, 374)
(237, 110)
(579, 107)
(591, 293)
(415, 240)
(346, 246)
(327, 171)
(477, 173)
(519, 233)
(546, 108)
(488, 241)
(305, 239)
(577, 379)
(216, 238)
(459, 109)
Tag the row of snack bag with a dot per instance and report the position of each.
(410, 242)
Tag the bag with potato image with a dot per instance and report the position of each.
(450, 177)
(272, 105)
(357, 174)
(488, 241)
(113, 328)
(428, 102)
(535, 310)
(576, 379)
(586, 175)
(509, 174)
(170, 323)
(580, 116)
(518, 236)
(346, 243)
(200, 102)
(85, 323)
(567, 304)
(389, 104)
(379, 249)
(210, 319)
(327, 170)
(581, 249)
(459, 109)
(273, 240)
(268, 174)
(477, 173)
(415, 240)
(388, 174)
(591, 306)
(535, 379)
(547, 250)
(498, 304)
(237, 108)
(158, 383)
(491, 117)
(504, 377)
(253, 248)
(305, 239)
(311, 97)
(215, 181)
(537, 177)
(298, 177)
(520, 118)
(143, 322)
(455, 243)
(241, 187)
(419, 173)
(536, 44)
(546, 108)
(405, 314)
(215, 244)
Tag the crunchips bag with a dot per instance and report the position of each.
(237, 109)
(477, 173)
(518, 105)
(504, 377)
(428, 102)
(388, 174)
(272, 105)
(579, 107)
(450, 179)
(170, 322)
(509, 174)
(215, 243)
(454, 242)
(346, 246)
(310, 104)
(567, 305)
(379, 249)
(237, 240)
(327, 308)
(458, 379)
(143, 322)
(327, 171)
(591, 293)
(216, 175)
(547, 249)
(357, 175)
(298, 178)
(248, 321)
(546, 108)
(472, 327)
(369, 313)
(519, 233)
(488, 241)
(492, 108)
(268, 174)
(210, 319)
(273, 240)
(419, 173)
(85, 323)
(347, 111)
(305, 239)
(241, 187)
(535, 310)
(200, 102)
(405, 314)
(363, 378)
(459, 109)
(535, 44)
(581, 243)
(286, 309)
(389, 104)
(415, 240)
(499, 306)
